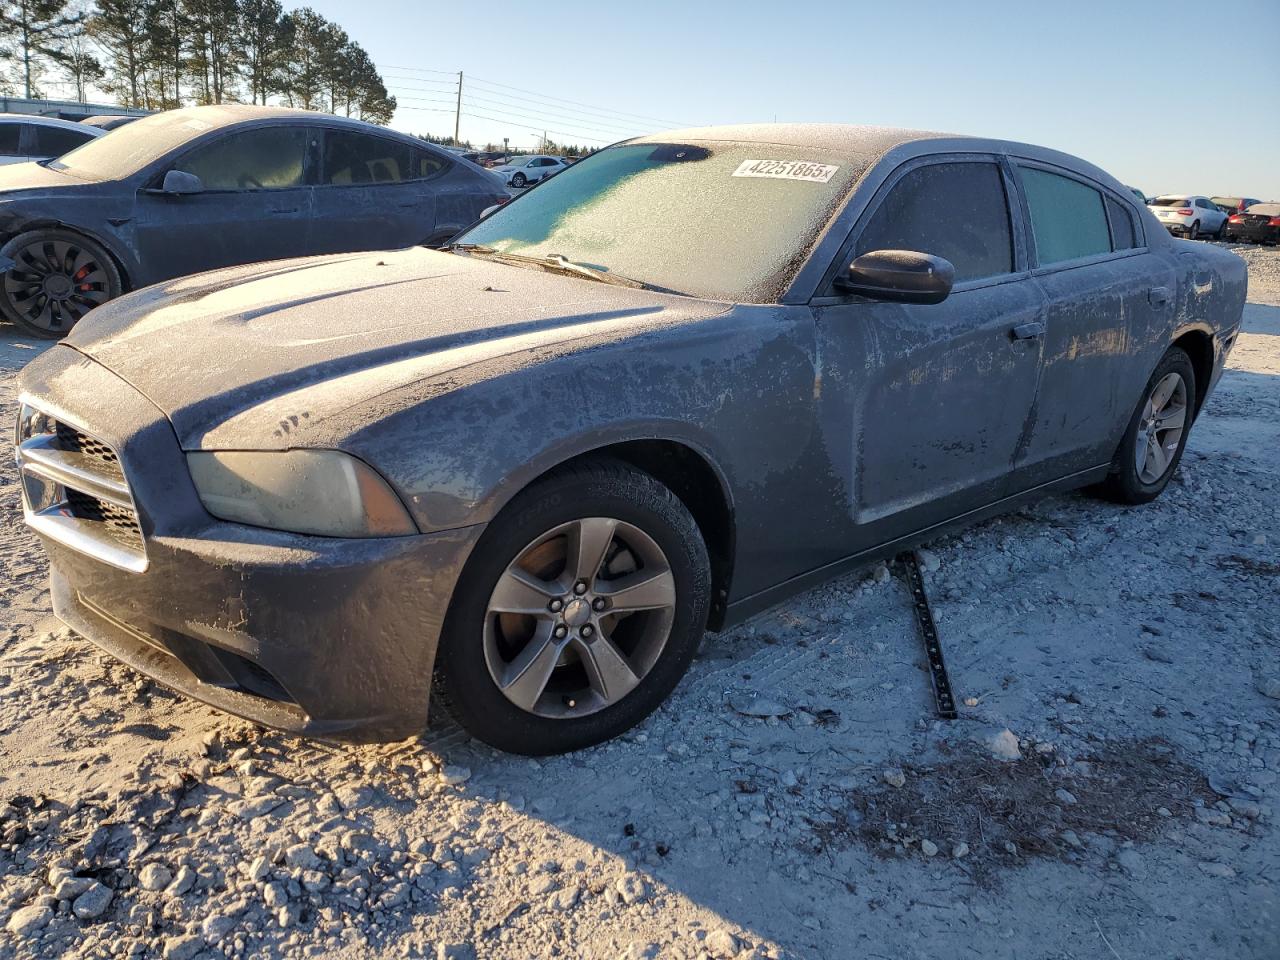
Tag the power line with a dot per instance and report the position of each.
(563, 133)
(533, 115)
(554, 115)
(539, 99)
(601, 115)
(450, 73)
(578, 103)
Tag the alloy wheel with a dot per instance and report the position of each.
(1164, 417)
(579, 618)
(54, 283)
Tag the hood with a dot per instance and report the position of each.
(33, 176)
(258, 356)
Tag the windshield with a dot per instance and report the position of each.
(719, 220)
(126, 150)
(1169, 202)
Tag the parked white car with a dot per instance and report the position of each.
(1188, 216)
(522, 171)
(24, 137)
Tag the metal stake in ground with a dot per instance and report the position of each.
(942, 696)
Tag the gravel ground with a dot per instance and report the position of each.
(1110, 790)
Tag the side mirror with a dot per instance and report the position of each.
(899, 276)
(181, 183)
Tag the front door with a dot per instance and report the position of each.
(926, 406)
(255, 204)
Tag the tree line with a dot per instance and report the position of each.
(162, 54)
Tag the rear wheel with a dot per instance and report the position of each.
(578, 613)
(1194, 232)
(58, 276)
(1157, 434)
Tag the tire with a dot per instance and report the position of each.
(1222, 233)
(563, 707)
(519, 181)
(1128, 483)
(58, 277)
(1194, 232)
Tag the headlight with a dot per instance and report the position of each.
(322, 492)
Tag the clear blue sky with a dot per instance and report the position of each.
(1168, 96)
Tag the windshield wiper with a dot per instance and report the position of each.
(556, 262)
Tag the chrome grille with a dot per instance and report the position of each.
(74, 490)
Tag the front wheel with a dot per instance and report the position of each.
(1157, 433)
(519, 180)
(578, 613)
(57, 277)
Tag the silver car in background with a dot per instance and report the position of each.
(1188, 216)
(24, 138)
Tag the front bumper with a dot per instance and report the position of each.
(318, 636)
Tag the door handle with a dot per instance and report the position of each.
(1158, 296)
(282, 212)
(1028, 331)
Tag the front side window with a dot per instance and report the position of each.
(725, 220)
(956, 211)
(358, 158)
(267, 158)
(55, 141)
(1068, 218)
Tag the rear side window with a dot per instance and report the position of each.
(10, 134)
(957, 211)
(1122, 230)
(1068, 218)
(356, 158)
(54, 141)
(261, 159)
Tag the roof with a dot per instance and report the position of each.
(838, 137)
(44, 121)
(219, 115)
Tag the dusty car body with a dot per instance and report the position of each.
(807, 430)
(190, 190)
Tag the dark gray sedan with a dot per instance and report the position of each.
(191, 190)
(672, 386)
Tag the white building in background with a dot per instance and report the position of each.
(67, 109)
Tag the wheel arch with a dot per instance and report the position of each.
(51, 223)
(1198, 345)
(692, 475)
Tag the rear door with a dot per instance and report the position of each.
(928, 404)
(375, 192)
(256, 203)
(1109, 300)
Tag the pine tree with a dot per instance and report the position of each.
(120, 28)
(266, 34)
(38, 31)
(81, 65)
(305, 66)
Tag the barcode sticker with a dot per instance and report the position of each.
(787, 170)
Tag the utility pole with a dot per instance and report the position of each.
(457, 113)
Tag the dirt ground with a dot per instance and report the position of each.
(1109, 791)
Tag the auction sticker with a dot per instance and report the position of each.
(787, 170)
